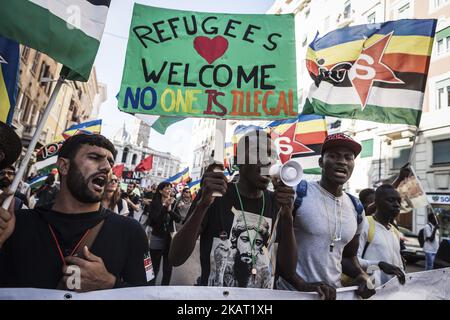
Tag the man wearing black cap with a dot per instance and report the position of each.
(10, 148)
(327, 225)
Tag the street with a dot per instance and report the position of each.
(186, 274)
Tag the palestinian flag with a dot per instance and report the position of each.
(301, 140)
(375, 72)
(47, 156)
(38, 181)
(67, 30)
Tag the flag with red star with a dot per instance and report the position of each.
(297, 139)
(374, 72)
(300, 139)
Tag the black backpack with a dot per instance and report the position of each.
(421, 237)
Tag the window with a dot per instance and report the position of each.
(125, 155)
(26, 108)
(400, 156)
(440, 48)
(441, 152)
(404, 12)
(372, 18)
(134, 159)
(443, 41)
(45, 73)
(25, 52)
(35, 62)
(347, 9)
(367, 148)
(443, 94)
(436, 4)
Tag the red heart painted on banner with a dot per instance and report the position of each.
(211, 49)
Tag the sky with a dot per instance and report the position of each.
(111, 57)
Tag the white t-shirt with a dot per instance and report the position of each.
(428, 246)
(124, 211)
(315, 225)
(385, 246)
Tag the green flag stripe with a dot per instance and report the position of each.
(37, 28)
(370, 112)
(163, 123)
(313, 171)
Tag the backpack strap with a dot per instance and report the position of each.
(87, 241)
(301, 191)
(358, 207)
(370, 234)
(120, 206)
(395, 231)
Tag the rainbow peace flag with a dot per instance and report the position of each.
(9, 71)
(182, 176)
(375, 72)
(89, 127)
(194, 186)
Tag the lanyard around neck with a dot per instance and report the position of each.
(252, 243)
(59, 247)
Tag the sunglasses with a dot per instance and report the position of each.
(114, 180)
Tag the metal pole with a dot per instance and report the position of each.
(219, 143)
(33, 142)
(411, 153)
(379, 162)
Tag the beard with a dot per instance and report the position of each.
(242, 271)
(78, 186)
(4, 183)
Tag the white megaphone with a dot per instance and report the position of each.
(290, 173)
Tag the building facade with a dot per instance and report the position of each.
(130, 153)
(203, 139)
(76, 102)
(388, 147)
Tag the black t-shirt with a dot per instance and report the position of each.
(228, 262)
(30, 258)
(443, 253)
(135, 199)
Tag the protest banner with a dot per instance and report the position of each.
(192, 64)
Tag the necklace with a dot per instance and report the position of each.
(333, 236)
(252, 243)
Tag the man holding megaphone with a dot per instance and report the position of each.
(327, 225)
(238, 230)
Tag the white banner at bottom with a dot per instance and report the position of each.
(429, 285)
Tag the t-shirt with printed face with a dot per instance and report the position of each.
(228, 260)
